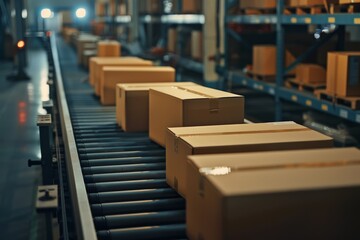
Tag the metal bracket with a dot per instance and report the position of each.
(47, 198)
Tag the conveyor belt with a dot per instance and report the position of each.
(124, 173)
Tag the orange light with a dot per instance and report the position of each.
(20, 44)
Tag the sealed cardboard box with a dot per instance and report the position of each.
(111, 76)
(172, 38)
(310, 194)
(100, 63)
(191, 106)
(264, 60)
(108, 49)
(132, 104)
(343, 74)
(348, 75)
(310, 73)
(182, 142)
(196, 45)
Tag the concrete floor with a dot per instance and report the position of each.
(20, 103)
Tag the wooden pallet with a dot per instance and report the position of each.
(304, 87)
(350, 102)
(344, 8)
(260, 77)
(305, 10)
(257, 11)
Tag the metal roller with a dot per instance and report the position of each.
(124, 168)
(118, 149)
(108, 177)
(122, 154)
(121, 161)
(134, 195)
(174, 231)
(126, 185)
(138, 206)
(139, 219)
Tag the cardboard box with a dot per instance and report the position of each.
(80, 44)
(192, 6)
(331, 72)
(109, 49)
(182, 142)
(348, 75)
(310, 194)
(196, 45)
(132, 104)
(343, 74)
(310, 73)
(100, 63)
(172, 40)
(264, 60)
(111, 76)
(191, 106)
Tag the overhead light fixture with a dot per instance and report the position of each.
(46, 13)
(80, 13)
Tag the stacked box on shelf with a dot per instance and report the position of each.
(264, 60)
(310, 194)
(191, 106)
(310, 73)
(172, 40)
(258, 4)
(343, 74)
(132, 104)
(111, 76)
(197, 45)
(181, 142)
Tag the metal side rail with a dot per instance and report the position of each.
(117, 179)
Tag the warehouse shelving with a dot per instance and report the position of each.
(277, 90)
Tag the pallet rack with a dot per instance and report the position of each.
(277, 89)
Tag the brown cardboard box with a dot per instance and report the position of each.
(116, 62)
(310, 73)
(111, 76)
(348, 75)
(109, 49)
(192, 6)
(99, 62)
(343, 77)
(331, 72)
(182, 142)
(260, 4)
(310, 194)
(196, 45)
(264, 60)
(132, 104)
(191, 106)
(172, 38)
